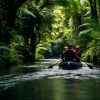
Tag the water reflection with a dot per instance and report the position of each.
(33, 82)
(53, 89)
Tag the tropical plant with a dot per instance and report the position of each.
(4, 52)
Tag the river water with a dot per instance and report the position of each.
(37, 82)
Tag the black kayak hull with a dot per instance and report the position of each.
(70, 65)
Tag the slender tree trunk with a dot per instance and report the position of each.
(77, 21)
(93, 6)
(33, 46)
(99, 9)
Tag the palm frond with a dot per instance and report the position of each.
(4, 48)
(84, 32)
(85, 24)
(29, 13)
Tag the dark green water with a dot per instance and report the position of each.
(31, 83)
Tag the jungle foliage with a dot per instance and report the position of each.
(35, 29)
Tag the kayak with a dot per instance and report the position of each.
(70, 65)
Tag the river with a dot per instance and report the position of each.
(37, 82)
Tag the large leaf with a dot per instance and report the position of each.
(84, 32)
(84, 25)
(29, 13)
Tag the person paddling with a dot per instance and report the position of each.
(78, 53)
(69, 54)
(64, 50)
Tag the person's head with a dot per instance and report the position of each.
(70, 47)
(65, 48)
(77, 47)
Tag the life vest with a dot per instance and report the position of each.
(69, 55)
(78, 52)
(65, 48)
(78, 55)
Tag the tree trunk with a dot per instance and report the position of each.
(12, 7)
(77, 21)
(93, 6)
(99, 9)
(33, 46)
(8, 10)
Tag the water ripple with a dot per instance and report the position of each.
(81, 74)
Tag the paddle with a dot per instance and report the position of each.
(89, 65)
(54, 64)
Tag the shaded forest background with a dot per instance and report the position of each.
(35, 29)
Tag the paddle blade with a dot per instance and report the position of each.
(50, 66)
(90, 66)
(54, 64)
